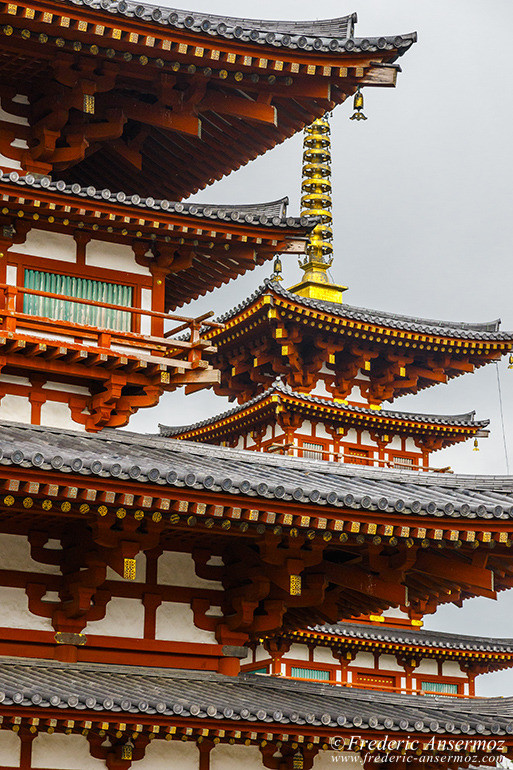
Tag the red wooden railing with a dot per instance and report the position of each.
(186, 350)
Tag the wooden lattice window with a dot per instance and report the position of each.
(404, 462)
(312, 451)
(310, 673)
(82, 288)
(434, 687)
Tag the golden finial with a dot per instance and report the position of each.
(358, 106)
(277, 270)
(316, 202)
(476, 445)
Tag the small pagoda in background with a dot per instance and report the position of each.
(310, 373)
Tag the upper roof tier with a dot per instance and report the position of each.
(199, 246)
(276, 330)
(161, 102)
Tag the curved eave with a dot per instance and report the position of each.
(451, 428)
(328, 36)
(361, 319)
(496, 658)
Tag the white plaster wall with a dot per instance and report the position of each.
(225, 757)
(363, 660)
(65, 387)
(321, 432)
(40, 243)
(63, 752)
(146, 305)
(351, 436)
(327, 760)
(389, 663)
(394, 612)
(14, 380)
(9, 163)
(175, 623)
(115, 256)
(140, 570)
(396, 443)
(177, 569)
(11, 275)
(320, 388)
(261, 654)
(451, 668)
(18, 119)
(15, 554)
(297, 652)
(15, 612)
(9, 749)
(410, 446)
(58, 415)
(169, 755)
(124, 617)
(366, 439)
(268, 433)
(240, 443)
(15, 408)
(323, 655)
(427, 666)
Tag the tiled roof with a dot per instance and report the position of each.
(489, 330)
(330, 35)
(34, 684)
(273, 213)
(159, 460)
(466, 419)
(415, 637)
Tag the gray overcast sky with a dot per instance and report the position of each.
(422, 210)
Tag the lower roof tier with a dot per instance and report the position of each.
(362, 539)
(280, 405)
(489, 654)
(249, 702)
(276, 331)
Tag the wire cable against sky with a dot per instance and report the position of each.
(499, 388)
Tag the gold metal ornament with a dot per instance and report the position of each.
(277, 270)
(127, 751)
(510, 366)
(476, 445)
(358, 106)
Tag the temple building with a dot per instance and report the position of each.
(145, 580)
(310, 373)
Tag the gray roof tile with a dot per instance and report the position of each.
(415, 637)
(329, 35)
(135, 690)
(486, 331)
(181, 464)
(272, 213)
(466, 419)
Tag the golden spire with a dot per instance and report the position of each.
(316, 202)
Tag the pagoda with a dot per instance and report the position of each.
(310, 373)
(139, 573)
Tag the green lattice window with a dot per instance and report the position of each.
(445, 687)
(83, 288)
(310, 673)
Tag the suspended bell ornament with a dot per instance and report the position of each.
(476, 445)
(298, 761)
(358, 106)
(277, 270)
(510, 361)
(127, 752)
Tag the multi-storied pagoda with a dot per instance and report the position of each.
(138, 571)
(310, 373)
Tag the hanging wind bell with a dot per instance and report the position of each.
(277, 270)
(510, 361)
(358, 106)
(476, 445)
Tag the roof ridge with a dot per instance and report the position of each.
(267, 213)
